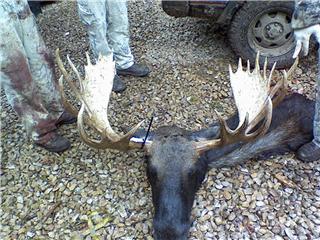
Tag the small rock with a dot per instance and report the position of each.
(227, 195)
(290, 234)
(232, 216)
(30, 234)
(260, 203)
(218, 220)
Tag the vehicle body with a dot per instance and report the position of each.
(253, 26)
(203, 9)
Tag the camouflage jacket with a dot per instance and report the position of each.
(306, 13)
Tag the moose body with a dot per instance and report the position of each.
(175, 171)
(177, 159)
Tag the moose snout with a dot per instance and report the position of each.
(170, 231)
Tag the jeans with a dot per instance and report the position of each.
(108, 29)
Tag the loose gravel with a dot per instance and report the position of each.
(89, 194)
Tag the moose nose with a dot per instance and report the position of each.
(169, 231)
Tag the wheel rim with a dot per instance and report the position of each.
(270, 32)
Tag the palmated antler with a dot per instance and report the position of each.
(94, 95)
(254, 100)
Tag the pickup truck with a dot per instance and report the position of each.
(253, 26)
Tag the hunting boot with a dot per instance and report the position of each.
(66, 118)
(137, 70)
(309, 152)
(118, 84)
(53, 142)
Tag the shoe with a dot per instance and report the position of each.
(66, 118)
(56, 143)
(137, 70)
(118, 85)
(309, 152)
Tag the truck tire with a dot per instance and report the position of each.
(264, 27)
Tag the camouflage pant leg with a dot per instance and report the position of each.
(306, 13)
(41, 64)
(316, 123)
(108, 29)
(18, 76)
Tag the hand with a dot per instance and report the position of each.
(302, 37)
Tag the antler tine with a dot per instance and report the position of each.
(265, 68)
(240, 65)
(271, 72)
(227, 134)
(230, 70)
(80, 83)
(66, 75)
(292, 68)
(69, 107)
(243, 131)
(75, 70)
(257, 66)
(279, 91)
(88, 59)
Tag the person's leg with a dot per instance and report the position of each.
(118, 32)
(41, 64)
(311, 151)
(93, 16)
(316, 123)
(17, 81)
(119, 38)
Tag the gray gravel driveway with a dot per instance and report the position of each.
(90, 194)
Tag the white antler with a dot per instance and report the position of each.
(250, 89)
(254, 100)
(94, 94)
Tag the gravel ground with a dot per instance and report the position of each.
(90, 194)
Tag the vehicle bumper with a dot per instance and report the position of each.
(194, 8)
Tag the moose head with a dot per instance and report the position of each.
(178, 160)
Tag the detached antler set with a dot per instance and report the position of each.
(96, 87)
(178, 159)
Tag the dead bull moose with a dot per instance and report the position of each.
(178, 159)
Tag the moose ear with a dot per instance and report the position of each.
(211, 132)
